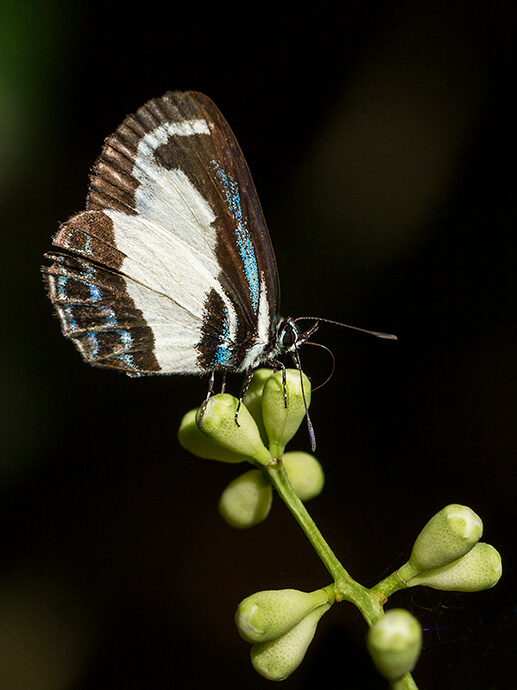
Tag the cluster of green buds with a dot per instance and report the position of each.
(280, 624)
(448, 555)
(255, 431)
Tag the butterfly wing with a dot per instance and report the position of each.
(170, 269)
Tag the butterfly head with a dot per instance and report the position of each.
(290, 337)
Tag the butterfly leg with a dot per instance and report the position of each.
(278, 365)
(244, 388)
(209, 394)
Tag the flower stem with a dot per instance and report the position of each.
(395, 581)
(344, 586)
(404, 683)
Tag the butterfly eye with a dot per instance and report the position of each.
(288, 336)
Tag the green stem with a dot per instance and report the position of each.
(344, 587)
(395, 581)
(404, 683)
(283, 486)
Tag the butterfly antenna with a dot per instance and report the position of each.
(377, 334)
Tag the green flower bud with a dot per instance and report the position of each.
(305, 474)
(277, 659)
(282, 422)
(198, 443)
(478, 569)
(253, 398)
(447, 536)
(219, 424)
(246, 501)
(264, 616)
(394, 642)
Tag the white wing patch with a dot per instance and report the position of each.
(167, 196)
(253, 356)
(173, 228)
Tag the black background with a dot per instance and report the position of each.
(381, 140)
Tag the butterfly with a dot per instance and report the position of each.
(170, 269)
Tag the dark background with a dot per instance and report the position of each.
(381, 137)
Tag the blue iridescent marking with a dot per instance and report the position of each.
(93, 343)
(126, 339)
(244, 243)
(110, 317)
(128, 360)
(95, 293)
(72, 242)
(61, 288)
(69, 318)
(222, 352)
